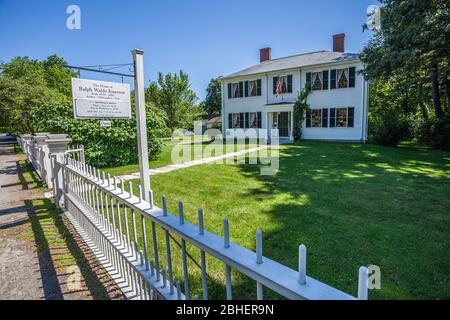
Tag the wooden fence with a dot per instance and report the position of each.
(113, 222)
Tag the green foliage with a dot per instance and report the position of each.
(301, 106)
(213, 101)
(25, 84)
(407, 62)
(172, 95)
(114, 146)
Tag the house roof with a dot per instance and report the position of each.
(297, 61)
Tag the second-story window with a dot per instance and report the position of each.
(282, 85)
(253, 88)
(317, 81)
(236, 90)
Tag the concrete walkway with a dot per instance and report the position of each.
(188, 164)
(38, 245)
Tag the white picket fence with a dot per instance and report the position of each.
(112, 221)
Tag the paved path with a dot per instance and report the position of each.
(19, 260)
(37, 246)
(178, 166)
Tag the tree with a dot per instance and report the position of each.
(407, 63)
(25, 84)
(213, 101)
(172, 94)
(414, 35)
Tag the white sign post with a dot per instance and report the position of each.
(138, 58)
(94, 99)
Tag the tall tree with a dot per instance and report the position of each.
(213, 101)
(415, 36)
(172, 94)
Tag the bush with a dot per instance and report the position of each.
(104, 147)
(388, 131)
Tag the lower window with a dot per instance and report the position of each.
(316, 118)
(341, 117)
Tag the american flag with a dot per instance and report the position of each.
(278, 87)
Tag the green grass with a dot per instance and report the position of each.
(165, 157)
(350, 204)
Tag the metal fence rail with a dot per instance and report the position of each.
(112, 221)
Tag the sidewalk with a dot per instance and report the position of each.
(41, 256)
(178, 166)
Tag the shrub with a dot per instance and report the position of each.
(436, 133)
(388, 130)
(104, 147)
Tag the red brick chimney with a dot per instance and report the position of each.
(265, 54)
(339, 42)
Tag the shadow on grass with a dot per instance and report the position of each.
(358, 205)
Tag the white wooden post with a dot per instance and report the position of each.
(56, 149)
(141, 120)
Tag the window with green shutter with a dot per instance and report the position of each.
(325, 80)
(351, 117)
(333, 79)
(352, 77)
(275, 81)
(308, 119)
(308, 79)
(324, 118)
(332, 117)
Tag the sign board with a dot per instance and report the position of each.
(94, 99)
(105, 123)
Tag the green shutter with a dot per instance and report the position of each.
(241, 89)
(332, 117)
(325, 80)
(259, 120)
(308, 119)
(230, 121)
(229, 91)
(333, 79)
(352, 77)
(308, 79)
(275, 80)
(247, 120)
(289, 90)
(351, 117)
(241, 120)
(246, 89)
(258, 93)
(324, 118)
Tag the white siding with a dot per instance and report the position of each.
(349, 97)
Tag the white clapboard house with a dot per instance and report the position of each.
(263, 95)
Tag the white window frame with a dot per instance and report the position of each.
(346, 118)
(348, 78)
(321, 118)
(237, 92)
(320, 73)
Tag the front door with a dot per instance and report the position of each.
(281, 121)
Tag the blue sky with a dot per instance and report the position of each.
(205, 38)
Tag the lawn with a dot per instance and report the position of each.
(350, 204)
(164, 158)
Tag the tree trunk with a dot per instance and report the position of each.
(435, 91)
